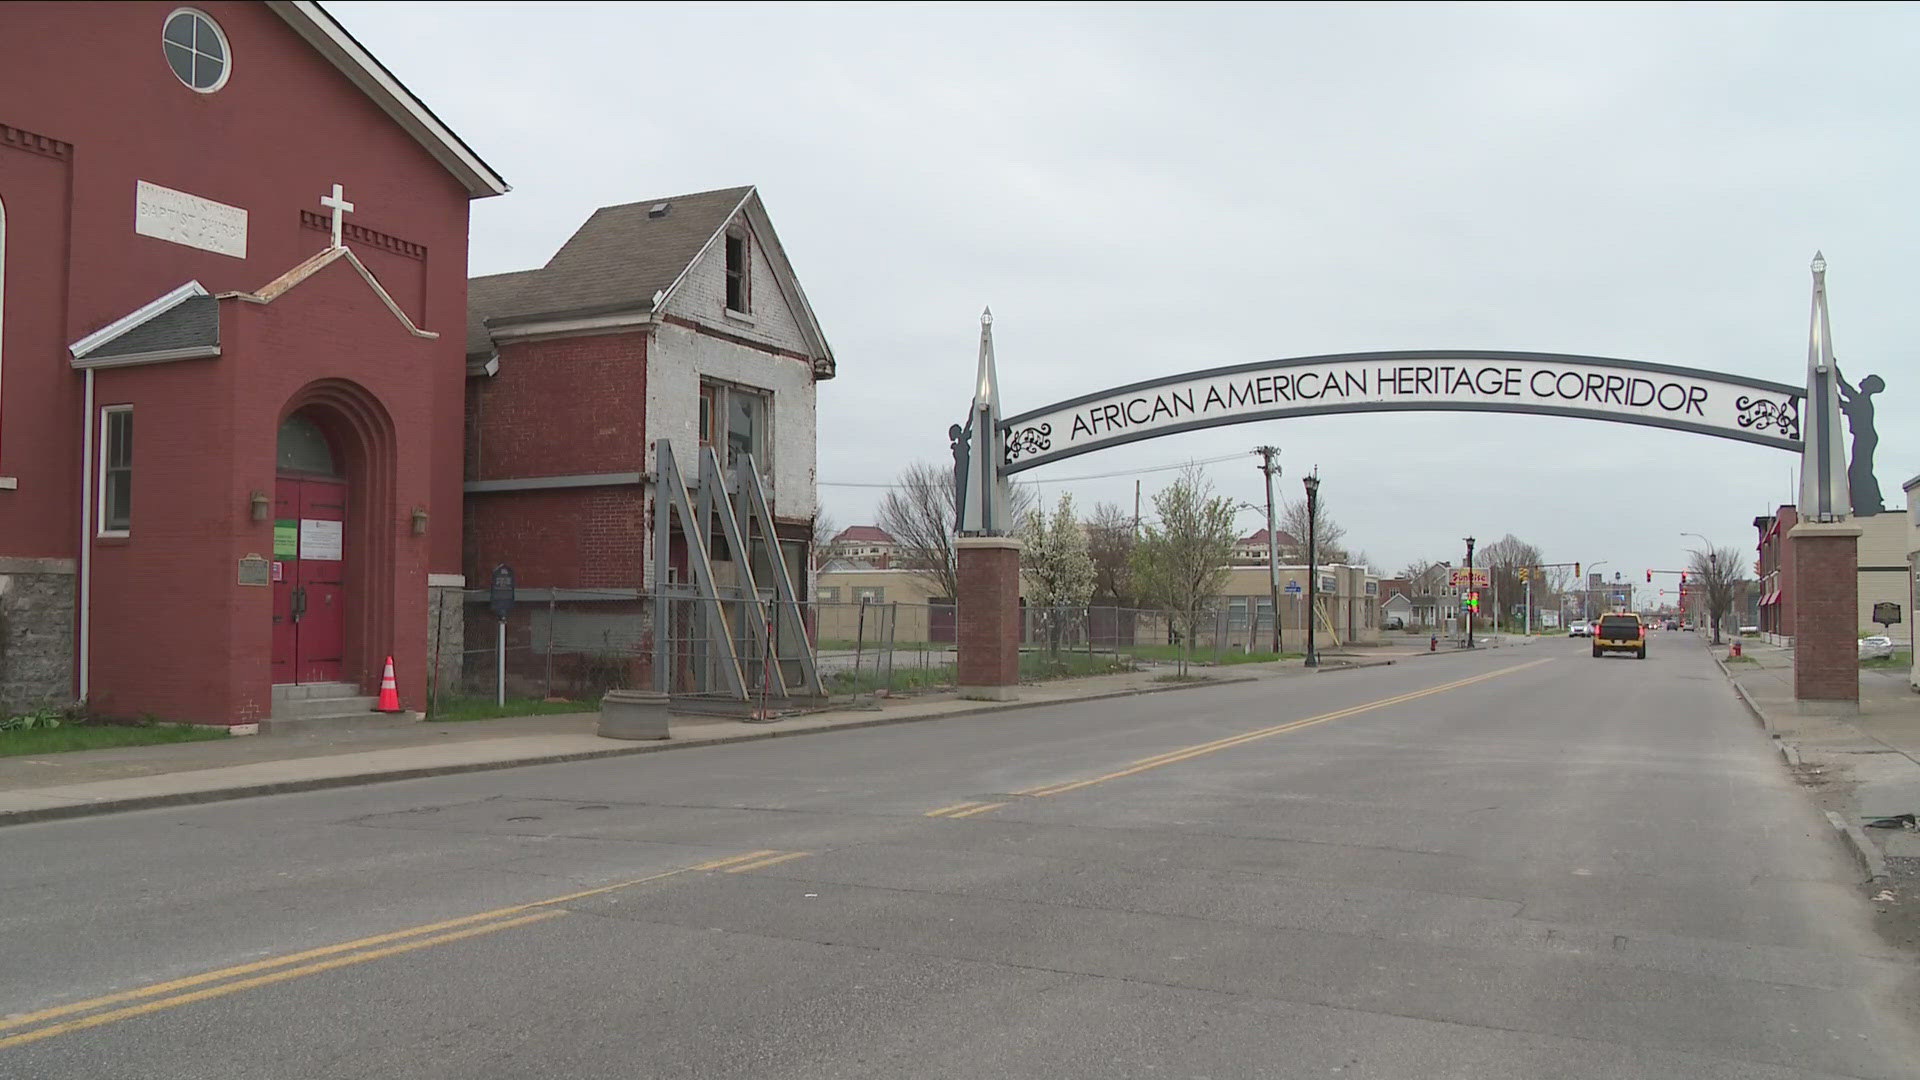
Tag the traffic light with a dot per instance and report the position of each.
(1649, 577)
(1576, 570)
(1683, 579)
(1523, 573)
(1473, 600)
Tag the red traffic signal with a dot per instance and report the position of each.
(1683, 578)
(1649, 577)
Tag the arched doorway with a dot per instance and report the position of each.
(309, 554)
(334, 536)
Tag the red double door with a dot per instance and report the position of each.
(308, 572)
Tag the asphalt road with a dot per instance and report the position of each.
(1523, 863)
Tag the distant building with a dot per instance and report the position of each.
(1252, 550)
(1885, 573)
(868, 544)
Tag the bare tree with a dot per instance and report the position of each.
(1504, 559)
(1110, 540)
(1180, 562)
(919, 513)
(1326, 532)
(1715, 575)
(824, 530)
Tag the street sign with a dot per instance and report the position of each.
(500, 596)
(1476, 578)
(1293, 588)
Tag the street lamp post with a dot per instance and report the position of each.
(1469, 588)
(1713, 569)
(1312, 482)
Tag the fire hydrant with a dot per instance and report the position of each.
(1736, 649)
(1433, 643)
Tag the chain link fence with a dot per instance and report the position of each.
(573, 645)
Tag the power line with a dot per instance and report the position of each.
(1059, 479)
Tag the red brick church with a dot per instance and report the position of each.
(233, 254)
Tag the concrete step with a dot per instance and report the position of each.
(314, 691)
(317, 707)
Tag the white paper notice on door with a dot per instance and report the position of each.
(319, 539)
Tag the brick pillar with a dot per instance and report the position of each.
(988, 617)
(1826, 612)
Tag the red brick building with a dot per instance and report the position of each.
(229, 423)
(1773, 570)
(674, 318)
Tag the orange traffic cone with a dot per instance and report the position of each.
(389, 692)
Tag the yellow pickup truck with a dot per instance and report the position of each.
(1620, 633)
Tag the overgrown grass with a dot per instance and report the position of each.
(1176, 677)
(1034, 667)
(451, 709)
(848, 645)
(1741, 660)
(1897, 660)
(1206, 654)
(99, 736)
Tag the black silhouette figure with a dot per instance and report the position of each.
(1858, 405)
(961, 440)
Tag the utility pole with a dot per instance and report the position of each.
(1270, 468)
(1469, 589)
(1136, 509)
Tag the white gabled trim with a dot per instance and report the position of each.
(159, 356)
(124, 323)
(312, 265)
(332, 41)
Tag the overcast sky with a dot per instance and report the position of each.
(1140, 191)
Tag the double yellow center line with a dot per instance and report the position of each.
(965, 809)
(174, 993)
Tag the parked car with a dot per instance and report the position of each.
(1672, 625)
(1579, 629)
(1877, 647)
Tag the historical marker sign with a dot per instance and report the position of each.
(500, 596)
(1730, 406)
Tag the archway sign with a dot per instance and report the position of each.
(1805, 420)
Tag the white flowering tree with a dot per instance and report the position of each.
(1057, 568)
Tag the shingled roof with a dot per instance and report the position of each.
(620, 260)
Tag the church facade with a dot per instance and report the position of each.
(233, 256)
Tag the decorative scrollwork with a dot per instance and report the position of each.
(1765, 413)
(1028, 440)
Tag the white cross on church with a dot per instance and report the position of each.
(337, 202)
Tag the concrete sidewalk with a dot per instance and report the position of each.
(101, 781)
(1864, 767)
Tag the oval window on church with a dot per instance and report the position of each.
(304, 448)
(196, 50)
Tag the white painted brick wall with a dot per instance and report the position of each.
(702, 297)
(679, 358)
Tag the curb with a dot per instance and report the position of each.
(1353, 667)
(321, 783)
(1790, 754)
(1861, 848)
(1758, 716)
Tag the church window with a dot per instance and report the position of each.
(116, 470)
(738, 296)
(196, 50)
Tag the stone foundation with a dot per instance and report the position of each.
(36, 633)
(446, 629)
